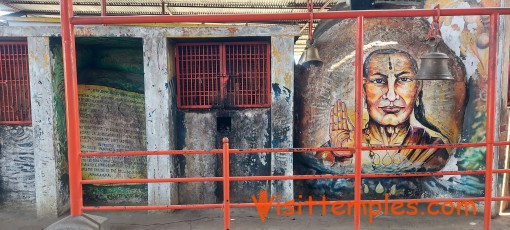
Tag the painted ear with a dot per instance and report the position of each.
(420, 85)
(364, 84)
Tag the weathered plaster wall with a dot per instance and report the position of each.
(160, 110)
(17, 174)
(282, 113)
(252, 126)
(198, 130)
(252, 129)
(49, 130)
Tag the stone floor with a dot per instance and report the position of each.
(248, 218)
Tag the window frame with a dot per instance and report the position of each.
(262, 99)
(15, 84)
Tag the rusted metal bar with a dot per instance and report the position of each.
(499, 143)
(490, 117)
(103, 8)
(288, 177)
(310, 21)
(364, 148)
(425, 174)
(501, 171)
(226, 184)
(285, 16)
(145, 153)
(72, 111)
(283, 150)
(152, 207)
(332, 202)
(152, 180)
(358, 119)
(291, 177)
(304, 203)
(15, 122)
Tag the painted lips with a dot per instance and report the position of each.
(391, 109)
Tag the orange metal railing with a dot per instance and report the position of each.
(72, 114)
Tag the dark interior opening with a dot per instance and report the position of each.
(223, 124)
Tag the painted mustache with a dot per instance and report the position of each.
(391, 106)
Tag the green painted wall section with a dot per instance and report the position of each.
(60, 124)
(104, 64)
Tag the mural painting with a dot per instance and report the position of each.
(391, 94)
(397, 108)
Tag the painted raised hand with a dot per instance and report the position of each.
(341, 130)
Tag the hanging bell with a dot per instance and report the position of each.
(310, 56)
(303, 56)
(434, 64)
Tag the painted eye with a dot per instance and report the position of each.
(405, 79)
(378, 81)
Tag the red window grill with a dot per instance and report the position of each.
(14, 84)
(229, 74)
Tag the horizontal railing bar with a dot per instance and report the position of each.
(332, 202)
(423, 174)
(152, 180)
(286, 150)
(291, 177)
(15, 122)
(441, 146)
(382, 147)
(286, 177)
(152, 207)
(83, 20)
(303, 203)
(13, 43)
(501, 171)
(283, 150)
(498, 143)
(364, 175)
(145, 153)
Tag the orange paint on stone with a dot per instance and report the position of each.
(233, 30)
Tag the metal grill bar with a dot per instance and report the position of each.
(232, 74)
(198, 75)
(14, 84)
(247, 66)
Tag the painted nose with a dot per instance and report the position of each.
(391, 95)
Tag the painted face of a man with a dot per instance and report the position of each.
(390, 88)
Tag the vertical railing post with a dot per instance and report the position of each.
(103, 8)
(72, 110)
(357, 127)
(226, 184)
(491, 100)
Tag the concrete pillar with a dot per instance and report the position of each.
(200, 134)
(47, 150)
(282, 109)
(160, 118)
